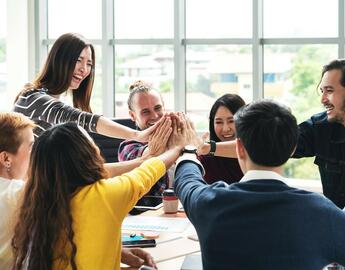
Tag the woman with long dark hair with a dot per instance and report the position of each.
(70, 65)
(71, 213)
(222, 129)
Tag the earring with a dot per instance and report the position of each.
(8, 167)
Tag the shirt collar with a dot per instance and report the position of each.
(261, 175)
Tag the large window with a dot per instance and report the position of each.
(219, 19)
(212, 71)
(194, 51)
(300, 19)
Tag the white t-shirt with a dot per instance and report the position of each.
(9, 196)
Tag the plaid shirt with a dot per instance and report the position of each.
(129, 150)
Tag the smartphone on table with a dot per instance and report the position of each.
(139, 243)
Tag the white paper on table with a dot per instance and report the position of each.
(159, 224)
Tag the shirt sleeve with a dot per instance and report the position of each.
(305, 144)
(190, 186)
(337, 218)
(129, 150)
(43, 107)
(123, 192)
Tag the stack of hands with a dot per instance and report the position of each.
(174, 130)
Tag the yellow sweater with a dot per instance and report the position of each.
(98, 211)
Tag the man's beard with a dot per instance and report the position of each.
(339, 117)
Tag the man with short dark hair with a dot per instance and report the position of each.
(260, 222)
(323, 135)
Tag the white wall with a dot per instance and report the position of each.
(18, 45)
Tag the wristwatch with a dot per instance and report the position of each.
(189, 149)
(213, 146)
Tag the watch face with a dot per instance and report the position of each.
(189, 149)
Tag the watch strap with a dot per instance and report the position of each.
(213, 147)
(190, 151)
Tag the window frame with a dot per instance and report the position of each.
(179, 43)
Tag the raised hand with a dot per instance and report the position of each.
(178, 137)
(144, 135)
(158, 140)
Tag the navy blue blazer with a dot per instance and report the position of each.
(260, 224)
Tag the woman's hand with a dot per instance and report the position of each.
(204, 148)
(178, 137)
(136, 257)
(192, 136)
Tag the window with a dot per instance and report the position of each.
(195, 51)
(149, 19)
(299, 67)
(228, 77)
(300, 19)
(81, 16)
(219, 18)
(213, 71)
(151, 63)
(269, 77)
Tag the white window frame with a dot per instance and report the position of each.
(179, 43)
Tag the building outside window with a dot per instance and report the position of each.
(249, 47)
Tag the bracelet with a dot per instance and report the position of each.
(213, 145)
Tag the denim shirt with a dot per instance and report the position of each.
(325, 141)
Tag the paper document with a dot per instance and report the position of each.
(160, 224)
(173, 249)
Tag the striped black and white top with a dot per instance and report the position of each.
(47, 111)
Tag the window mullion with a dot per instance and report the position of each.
(258, 70)
(180, 55)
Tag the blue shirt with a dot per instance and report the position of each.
(260, 224)
(325, 141)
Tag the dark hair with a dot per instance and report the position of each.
(335, 64)
(268, 132)
(62, 160)
(58, 69)
(232, 102)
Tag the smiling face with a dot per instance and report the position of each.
(82, 68)
(224, 125)
(147, 108)
(333, 96)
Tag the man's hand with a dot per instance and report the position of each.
(158, 140)
(136, 257)
(144, 135)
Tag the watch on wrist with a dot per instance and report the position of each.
(213, 146)
(189, 149)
